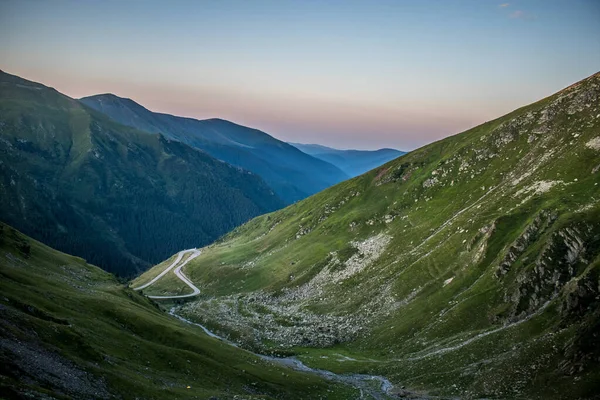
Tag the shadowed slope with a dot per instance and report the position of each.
(119, 197)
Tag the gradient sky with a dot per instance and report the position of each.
(349, 74)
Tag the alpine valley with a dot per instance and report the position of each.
(467, 268)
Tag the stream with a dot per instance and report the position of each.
(370, 386)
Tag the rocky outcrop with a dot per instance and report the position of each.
(581, 295)
(291, 317)
(561, 260)
(541, 222)
(594, 143)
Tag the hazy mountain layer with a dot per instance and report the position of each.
(352, 162)
(292, 174)
(121, 198)
(469, 267)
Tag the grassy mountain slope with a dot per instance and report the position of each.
(119, 197)
(352, 162)
(293, 174)
(469, 267)
(69, 330)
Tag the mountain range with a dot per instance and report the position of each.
(122, 198)
(351, 162)
(291, 173)
(75, 173)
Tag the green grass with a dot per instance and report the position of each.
(153, 272)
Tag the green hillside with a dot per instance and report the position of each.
(121, 198)
(469, 267)
(69, 330)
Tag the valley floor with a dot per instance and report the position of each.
(370, 386)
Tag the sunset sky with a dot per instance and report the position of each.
(348, 74)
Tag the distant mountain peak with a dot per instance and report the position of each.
(352, 162)
(111, 97)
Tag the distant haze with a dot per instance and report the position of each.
(347, 74)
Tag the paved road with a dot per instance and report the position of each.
(194, 253)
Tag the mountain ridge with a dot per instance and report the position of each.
(352, 162)
(290, 172)
(81, 182)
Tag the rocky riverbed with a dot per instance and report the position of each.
(369, 386)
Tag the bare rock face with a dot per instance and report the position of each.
(560, 261)
(430, 182)
(530, 235)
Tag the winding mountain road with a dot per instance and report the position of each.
(177, 263)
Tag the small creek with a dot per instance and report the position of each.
(370, 386)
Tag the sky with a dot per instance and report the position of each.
(347, 74)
